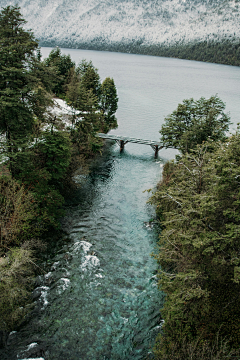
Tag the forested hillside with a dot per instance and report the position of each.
(197, 205)
(201, 30)
(39, 153)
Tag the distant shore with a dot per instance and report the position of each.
(224, 52)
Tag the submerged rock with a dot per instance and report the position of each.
(33, 351)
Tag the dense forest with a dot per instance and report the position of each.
(221, 52)
(39, 154)
(197, 205)
(225, 52)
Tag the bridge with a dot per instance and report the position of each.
(123, 140)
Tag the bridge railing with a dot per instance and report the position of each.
(129, 139)
(122, 140)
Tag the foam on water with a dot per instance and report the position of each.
(90, 263)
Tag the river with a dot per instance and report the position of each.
(100, 300)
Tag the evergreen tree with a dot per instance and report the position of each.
(89, 77)
(21, 94)
(47, 74)
(89, 120)
(79, 96)
(61, 65)
(108, 103)
(87, 94)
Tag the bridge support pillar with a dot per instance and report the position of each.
(156, 149)
(122, 143)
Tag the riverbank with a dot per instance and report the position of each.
(45, 143)
(224, 52)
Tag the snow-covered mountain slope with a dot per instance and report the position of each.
(143, 22)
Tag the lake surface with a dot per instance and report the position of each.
(150, 88)
(100, 300)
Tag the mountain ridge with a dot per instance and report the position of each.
(130, 24)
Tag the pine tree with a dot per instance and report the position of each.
(89, 77)
(19, 87)
(61, 65)
(108, 103)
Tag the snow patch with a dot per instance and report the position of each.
(61, 107)
(129, 22)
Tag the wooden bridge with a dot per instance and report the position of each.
(122, 140)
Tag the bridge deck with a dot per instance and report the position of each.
(128, 139)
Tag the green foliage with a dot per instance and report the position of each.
(46, 73)
(62, 65)
(89, 77)
(17, 214)
(214, 51)
(86, 94)
(221, 52)
(80, 97)
(53, 153)
(16, 83)
(18, 237)
(73, 92)
(16, 283)
(36, 164)
(44, 173)
(22, 96)
(197, 202)
(195, 122)
(196, 350)
(83, 136)
(89, 121)
(49, 203)
(108, 103)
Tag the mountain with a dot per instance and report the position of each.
(131, 25)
